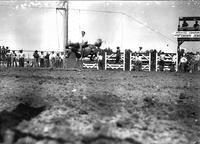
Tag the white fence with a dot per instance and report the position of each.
(170, 60)
(87, 63)
(144, 58)
(110, 61)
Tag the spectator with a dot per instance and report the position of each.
(185, 24)
(173, 65)
(8, 57)
(57, 60)
(183, 63)
(46, 59)
(42, 59)
(21, 58)
(36, 59)
(138, 62)
(118, 55)
(100, 59)
(197, 61)
(3, 55)
(196, 25)
(14, 59)
(52, 59)
(162, 61)
(62, 57)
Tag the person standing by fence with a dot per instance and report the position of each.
(36, 59)
(21, 58)
(52, 59)
(138, 63)
(118, 55)
(14, 59)
(8, 58)
(183, 63)
(162, 61)
(57, 60)
(46, 59)
(62, 57)
(42, 59)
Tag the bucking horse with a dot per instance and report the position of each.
(87, 49)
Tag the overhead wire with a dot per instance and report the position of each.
(105, 11)
(125, 14)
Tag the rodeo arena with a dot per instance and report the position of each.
(105, 91)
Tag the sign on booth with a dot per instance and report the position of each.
(187, 34)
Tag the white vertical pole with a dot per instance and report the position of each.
(105, 60)
(66, 13)
(149, 61)
(130, 62)
(176, 61)
(124, 61)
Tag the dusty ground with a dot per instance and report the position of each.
(99, 107)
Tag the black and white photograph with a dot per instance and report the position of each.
(99, 72)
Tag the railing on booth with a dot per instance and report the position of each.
(110, 61)
(145, 59)
(170, 59)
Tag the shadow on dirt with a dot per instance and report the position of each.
(10, 119)
(102, 139)
(103, 103)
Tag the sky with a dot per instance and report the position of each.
(32, 25)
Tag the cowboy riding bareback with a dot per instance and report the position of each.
(83, 49)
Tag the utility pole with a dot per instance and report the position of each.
(64, 10)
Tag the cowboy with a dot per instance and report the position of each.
(83, 42)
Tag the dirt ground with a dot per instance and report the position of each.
(98, 107)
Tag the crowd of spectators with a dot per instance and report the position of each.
(12, 58)
(187, 62)
(52, 59)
